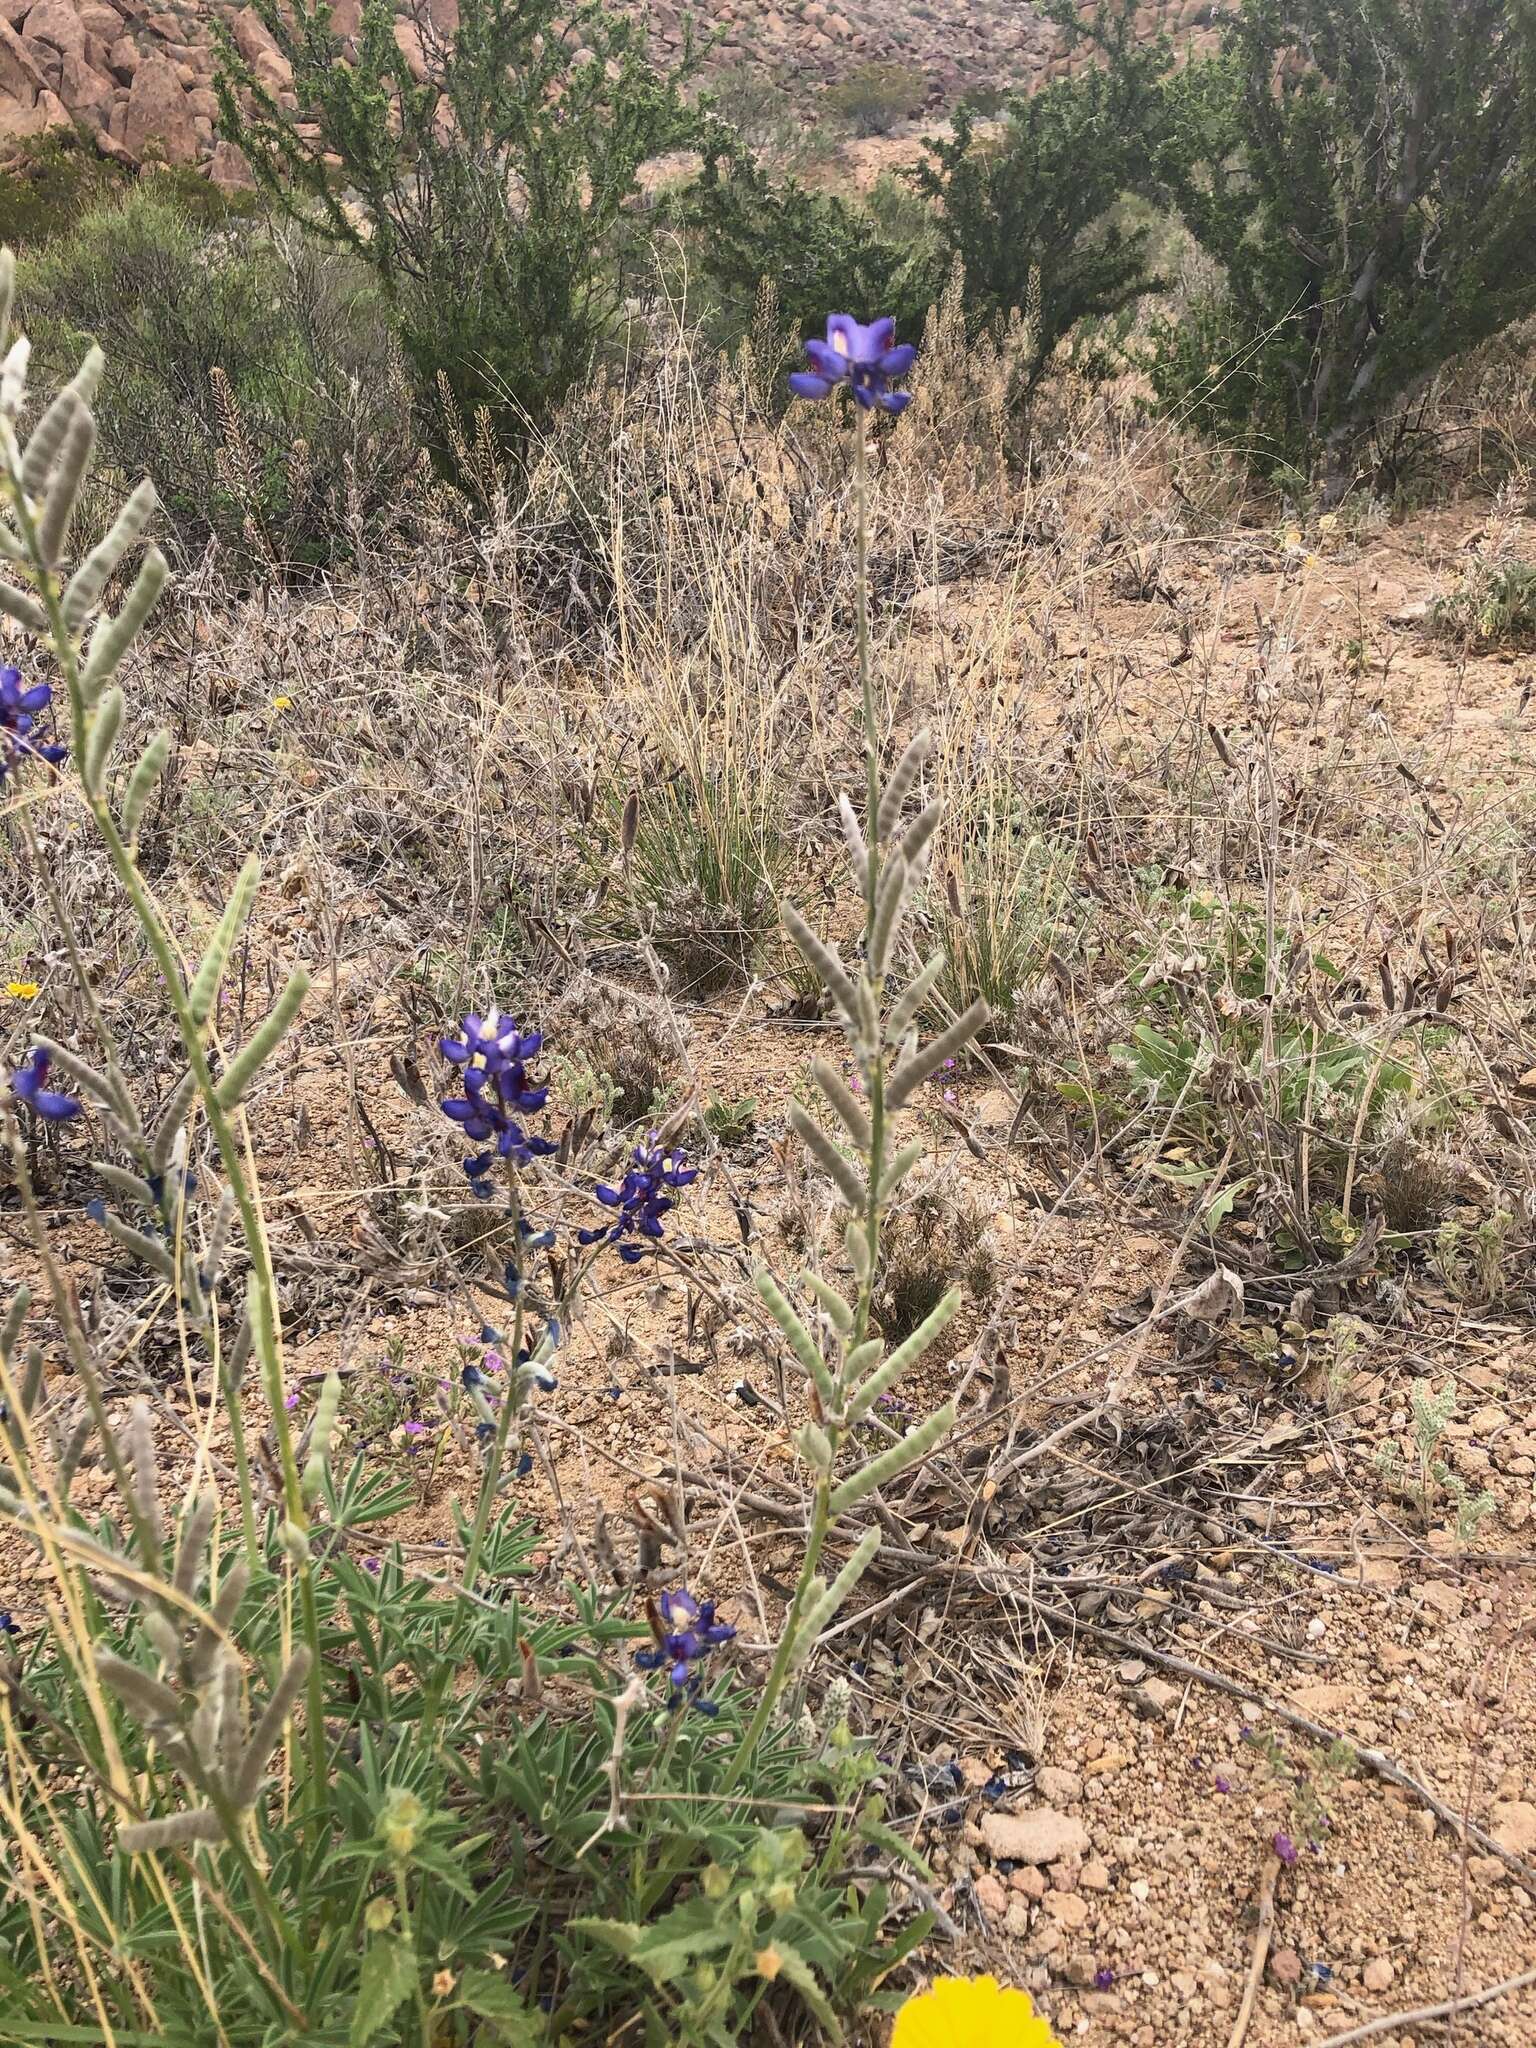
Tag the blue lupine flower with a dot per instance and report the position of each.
(7, 1626)
(494, 1053)
(641, 1199)
(686, 1631)
(861, 357)
(29, 1084)
(18, 722)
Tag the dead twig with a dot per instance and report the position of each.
(1423, 2014)
(1263, 1934)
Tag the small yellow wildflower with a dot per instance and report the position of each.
(769, 1963)
(1293, 539)
(971, 2012)
(282, 703)
(1310, 561)
(443, 1983)
(21, 991)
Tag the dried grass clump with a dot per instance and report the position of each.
(623, 1034)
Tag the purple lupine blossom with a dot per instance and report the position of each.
(686, 1631)
(494, 1053)
(641, 1199)
(18, 722)
(863, 358)
(1285, 1849)
(29, 1084)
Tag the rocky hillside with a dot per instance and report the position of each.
(139, 79)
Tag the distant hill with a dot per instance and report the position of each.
(138, 79)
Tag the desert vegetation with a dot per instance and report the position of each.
(766, 1045)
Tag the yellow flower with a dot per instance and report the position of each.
(971, 2012)
(443, 1983)
(1293, 539)
(768, 1963)
(21, 991)
(282, 703)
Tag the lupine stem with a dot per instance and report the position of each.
(504, 1421)
(874, 1078)
(147, 914)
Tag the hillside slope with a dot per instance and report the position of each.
(139, 80)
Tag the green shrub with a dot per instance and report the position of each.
(822, 253)
(1033, 214)
(254, 373)
(1364, 173)
(1494, 607)
(51, 181)
(489, 179)
(873, 98)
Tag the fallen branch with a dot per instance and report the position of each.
(1263, 1934)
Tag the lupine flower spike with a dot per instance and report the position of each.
(494, 1052)
(641, 1199)
(863, 358)
(686, 1631)
(29, 1084)
(19, 711)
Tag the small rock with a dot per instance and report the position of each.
(1067, 1909)
(1285, 1968)
(1094, 1876)
(1031, 1882)
(1514, 1826)
(1154, 1699)
(991, 1894)
(1132, 1671)
(1081, 1969)
(1016, 1919)
(1059, 1787)
(1043, 1836)
(1378, 1974)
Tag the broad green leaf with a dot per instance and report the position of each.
(492, 1998)
(622, 1936)
(388, 1979)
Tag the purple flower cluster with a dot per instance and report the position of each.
(686, 1631)
(641, 1199)
(29, 1084)
(494, 1053)
(863, 358)
(18, 722)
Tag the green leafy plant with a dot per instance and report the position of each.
(1495, 606)
(256, 374)
(1364, 175)
(873, 98)
(1033, 214)
(817, 249)
(488, 177)
(1430, 1478)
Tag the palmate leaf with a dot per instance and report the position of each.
(492, 1998)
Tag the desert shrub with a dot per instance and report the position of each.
(1494, 606)
(489, 178)
(765, 117)
(1033, 214)
(1364, 174)
(816, 248)
(874, 98)
(51, 181)
(255, 373)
